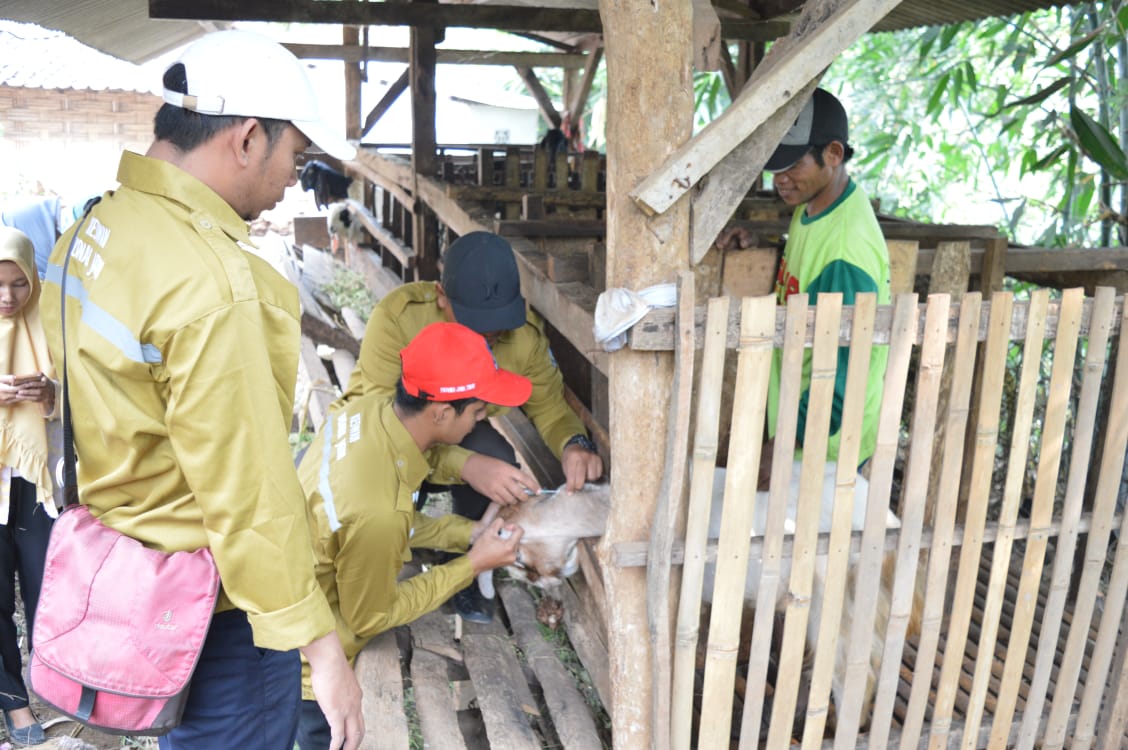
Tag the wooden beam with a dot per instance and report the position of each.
(424, 229)
(504, 17)
(398, 87)
(570, 198)
(544, 101)
(655, 332)
(351, 35)
(649, 51)
(357, 53)
(576, 107)
(759, 103)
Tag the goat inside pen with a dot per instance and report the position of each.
(992, 664)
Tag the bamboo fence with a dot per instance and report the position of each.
(865, 633)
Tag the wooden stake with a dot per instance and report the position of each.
(697, 522)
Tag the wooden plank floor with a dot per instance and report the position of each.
(457, 685)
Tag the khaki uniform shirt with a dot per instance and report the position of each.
(183, 358)
(362, 473)
(410, 308)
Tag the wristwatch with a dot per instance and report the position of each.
(583, 441)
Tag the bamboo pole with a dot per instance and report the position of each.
(859, 653)
(791, 365)
(947, 498)
(824, 365)
(841, 526)
(1100, 327)
(979, 486)
(1116, 442)
(753, 370)
(917, 477)
(668, 513)
(1041, 513)
(697, 521)
(1096, 553)
(1022, 421)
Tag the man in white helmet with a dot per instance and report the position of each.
(183, 354)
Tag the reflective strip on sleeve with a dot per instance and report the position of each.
(111, 329)
(323, 480)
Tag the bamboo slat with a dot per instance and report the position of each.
(1116, 445)
(668, 512)
(1085, 426)
(940, 551)
(1096, 549)
(824, 366)
(697, 522)
(838, 552)
(1022, 421)
(753, 370)
(915, 490)
(994, 369)
(868, 571)
(771, 551)
(1041, 512)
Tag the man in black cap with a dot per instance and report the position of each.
(481, 289)
(834, 244)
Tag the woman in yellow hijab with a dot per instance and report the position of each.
(27, 505)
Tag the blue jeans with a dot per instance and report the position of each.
(242, 697)
(313, 730)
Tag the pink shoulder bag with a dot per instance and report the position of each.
(119, 627)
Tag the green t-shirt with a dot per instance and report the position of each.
(840, 250)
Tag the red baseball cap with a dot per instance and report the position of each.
(448, 362)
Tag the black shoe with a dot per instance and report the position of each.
(471, 605)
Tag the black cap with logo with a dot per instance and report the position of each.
(822, 120)
(481, 281)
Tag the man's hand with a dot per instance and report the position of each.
(734, 238)
(580, 466)
(497, 480)
(494, 549)
(337, 691)
(484, 522)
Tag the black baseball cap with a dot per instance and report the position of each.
(822, 120)
(481, 281)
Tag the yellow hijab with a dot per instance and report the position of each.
(23, 351)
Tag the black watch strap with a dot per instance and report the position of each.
(583, 441)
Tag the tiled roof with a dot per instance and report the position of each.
(34, 57)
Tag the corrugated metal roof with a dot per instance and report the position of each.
(34, 57)
(121, 28)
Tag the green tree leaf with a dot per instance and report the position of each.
(1098, 144)
(1036, 98)
(1074, 48)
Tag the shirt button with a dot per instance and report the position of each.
(399, 462)
(205, 223)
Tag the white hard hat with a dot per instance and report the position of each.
(246, 74)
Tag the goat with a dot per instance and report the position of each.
(554, 523)
(327, 184)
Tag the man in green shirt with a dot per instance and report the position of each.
(362, 474)
(834, 244)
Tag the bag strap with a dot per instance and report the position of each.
(70, 473)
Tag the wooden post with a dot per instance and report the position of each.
(350, 35)
(649, 56)
(425, 235)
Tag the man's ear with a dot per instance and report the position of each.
(243, 137)
(834, 153)
(440, 412)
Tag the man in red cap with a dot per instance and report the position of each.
(480, 289)
(362, 474)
